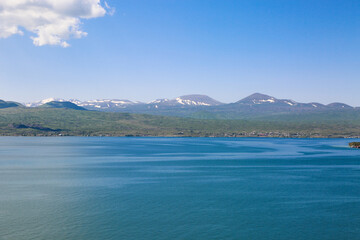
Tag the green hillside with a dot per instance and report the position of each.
(51, 121)
(4, 104)
(67, 105)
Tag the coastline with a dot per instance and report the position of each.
(181, 136)
(65, 122)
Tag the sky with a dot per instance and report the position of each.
(141, 50)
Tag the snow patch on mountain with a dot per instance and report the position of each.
(163, 100)
(104, 103)
(190, 102)
(270, 100)
(42, 102)
(290, 102)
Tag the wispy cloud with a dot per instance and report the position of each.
(52, 22)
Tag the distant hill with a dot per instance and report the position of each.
(108, 105)
(123, 105)
(66, 105)
(48, 121)
(205, 107)
(271, 103)
(337, 105)
(187, 100)
(257, 98)
(197, 99)
(42, 102)
(4, 104)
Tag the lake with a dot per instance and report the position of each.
(178, 188)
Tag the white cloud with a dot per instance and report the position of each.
(52, 21)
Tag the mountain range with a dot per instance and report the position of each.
(190, 115)
(195, 106)
(112, 104)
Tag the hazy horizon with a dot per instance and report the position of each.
(307, 51)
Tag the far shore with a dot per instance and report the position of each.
(183, 136)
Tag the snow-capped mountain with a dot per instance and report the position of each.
(122, 105)
(42, 102)
(187, 100)
(258, 98)
(265, 101)
(203, 106)
(339, 105)
(160, 101)
(91, 104)
(197, 100)
(104, 103)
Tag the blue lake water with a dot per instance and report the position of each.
(178, 188)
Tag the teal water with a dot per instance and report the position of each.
(178, 188)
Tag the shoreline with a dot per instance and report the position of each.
(176, 136)
(63, 122)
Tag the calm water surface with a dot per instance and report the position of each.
(178, 188)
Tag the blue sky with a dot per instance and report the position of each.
(307, 50)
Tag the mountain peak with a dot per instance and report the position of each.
(187, 100)
(42, 102)
(197, 99)
(5, 104)
(258, 98)
(62, 104)
(339, 105)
